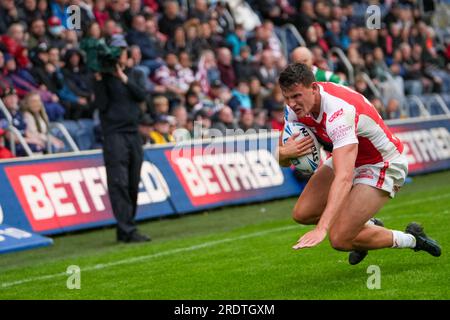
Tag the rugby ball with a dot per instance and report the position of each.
(308, 163)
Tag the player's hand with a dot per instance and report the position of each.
(296, 148)
(311, 238)
(121, 74)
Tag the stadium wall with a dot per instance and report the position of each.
(60, 193)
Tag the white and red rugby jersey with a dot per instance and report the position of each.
(347, 117)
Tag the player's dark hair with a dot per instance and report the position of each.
(296, 73)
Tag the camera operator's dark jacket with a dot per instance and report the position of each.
(118, 103)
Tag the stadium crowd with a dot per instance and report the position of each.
(214, 62)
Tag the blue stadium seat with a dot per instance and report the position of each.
(446, 97)
(432, 105)
(412, 108)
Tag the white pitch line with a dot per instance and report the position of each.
(399, 205)
(196, 247)
(151, 256)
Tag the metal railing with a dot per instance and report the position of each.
(347, 64)
(423, 110)
(16, 136)
(14, 133)
(442, 103)
(371, 85)
(66, 135)
(283, 37)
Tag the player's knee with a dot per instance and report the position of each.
(339, 242)
(300, 217)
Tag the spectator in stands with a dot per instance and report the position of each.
(200, 11)
(151, 28)
(185, 73)
(14, 43)
(261, 119)
(210, 33)
(160, 133)
(109, 29)
(225, 66)
(268, 72)
(89, 45)
(224, 123)
(274, 44)
(4, 152)
(207, 70)
(43, 71)
(29, 11)
(37, 124)
(305, 56)
(304, 17)
(149, 48)
(135, 59)
(412, 68)
(116, 12)
(220, 21)
(247, 121)
(80, 82)
(100, 12)
(257, 93)
(240, 97)
(169, 75)
(160, 106)
(37, 33)
(236, 40)
(11, 101)
(24, 82)
(274, 100)
(135, 8)
(202, 124)
(181, 119)
(145, 128)
(178, 42)
(277, 117)
(170, 19)
(195, 44)
(55, 33)
(244, 65)
(258, 42)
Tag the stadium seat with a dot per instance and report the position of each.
(412, 108)
(432, 104)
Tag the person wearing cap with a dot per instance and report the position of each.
(56, 32)
(118, 96)
(161, 130)
(11, 101)
(145, 127)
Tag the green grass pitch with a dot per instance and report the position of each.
(239, 253)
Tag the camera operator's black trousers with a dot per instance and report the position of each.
(123, 156)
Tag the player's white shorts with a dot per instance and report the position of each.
(388, 176)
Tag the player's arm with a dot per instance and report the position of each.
(343, 163)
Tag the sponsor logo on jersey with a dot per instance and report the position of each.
(336, 115)
(340, 132)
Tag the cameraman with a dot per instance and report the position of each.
(117, 95)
